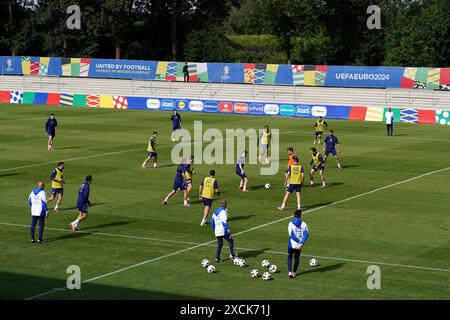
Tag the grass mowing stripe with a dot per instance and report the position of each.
(117, 235)
(248, 230)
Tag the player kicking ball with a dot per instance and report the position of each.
(82, 202)
(296, 174)
(316, 164)
(241, 172)
(151, 149)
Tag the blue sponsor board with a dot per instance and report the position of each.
(129, 69)
(364, 77)
(338, 112)
(226, 72)
(167, 104)
(10, 65)
(211, 106)
(182, 105)
(303, 111)
(287, 110)
(256, 108)
(137, 102)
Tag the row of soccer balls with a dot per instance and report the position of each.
(254, 273)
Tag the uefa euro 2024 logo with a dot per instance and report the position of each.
(226, 73)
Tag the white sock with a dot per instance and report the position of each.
(185, 202)
(166, 199)
(323, 183)
(283, 205)
(298, 206)
(154, 165)
(240, 184)
(245, 186)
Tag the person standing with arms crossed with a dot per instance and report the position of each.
(298, 234)
(50, 130)
(39, 211)
(389, 115)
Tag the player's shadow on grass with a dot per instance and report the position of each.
(9, 174)
(111, 224)
(252, 253)
(73, 235)
(72, 147)
(236, 218)
(324, 268)
(334, 184)
(91, 205)
(167, 165)
(349, 166)
(257, 187)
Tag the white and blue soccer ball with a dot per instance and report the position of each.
(273, 268)
(313, 262)
(265, 263)
(266, 276)
(236, 261)
(242, 263)
(267, 185)
(211, 268)
(254, 273)
(205, 263)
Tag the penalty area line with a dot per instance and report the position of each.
(248, 230)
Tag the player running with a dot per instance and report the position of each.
(320, 125)
(179, 183)
(50, 131)
(82, 202)
(292, 154)
(316, 164)
(330, 143)
(241, 172)
(188, 174)
(208, 188)
(151, 149)
(264, 140)
(58, 182)
(296, 174)
(176, 126)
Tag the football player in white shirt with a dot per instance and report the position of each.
(298, 234)
(221, 230)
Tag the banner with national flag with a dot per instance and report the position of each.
(409, 115)
(92, 101)
(374, 114)
(75, 67)
(249, 72)
(66, 100)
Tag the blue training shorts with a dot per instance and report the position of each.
(56, 191)
(294, 187)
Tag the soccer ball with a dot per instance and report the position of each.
(267, 185)
(211, 268)
(265, 263)
(242, 263)
(266, 276)
(205, 263)
(254, 273)
(313, 262)
(273, 268)
(236, 261)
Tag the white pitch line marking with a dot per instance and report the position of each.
(251, 229)
(116, 235)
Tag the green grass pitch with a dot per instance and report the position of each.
(403, 228)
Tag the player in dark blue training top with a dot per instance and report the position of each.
(330, 143)
(176, 126)
(179, 183)
(82, 202)
(50, 131)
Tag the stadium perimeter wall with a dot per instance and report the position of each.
(262, 108)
